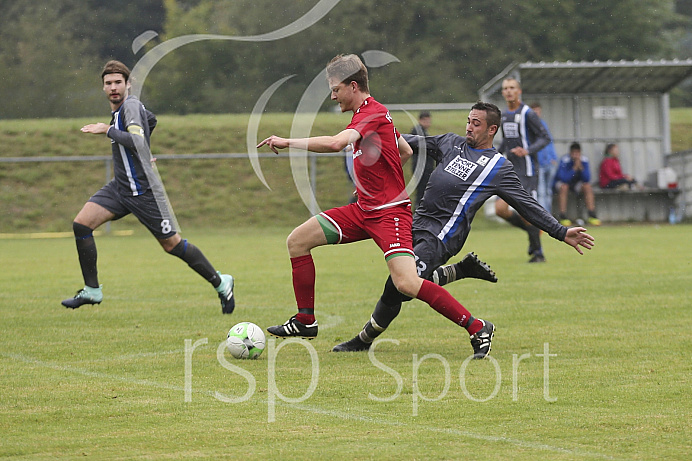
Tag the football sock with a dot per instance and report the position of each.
(446, 274)
(304, 288)
(194, 258)
(86, 250)
(439, 299)
(517, 221)
(534, 240)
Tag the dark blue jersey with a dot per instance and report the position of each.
(462, 181)
(131, 129)
(523, 128)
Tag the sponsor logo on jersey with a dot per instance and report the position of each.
(461, 168)
(510, 129)
(357, 153)
(483, 161)
(394, 245)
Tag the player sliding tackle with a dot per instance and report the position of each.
(382, 212)
(469, 172)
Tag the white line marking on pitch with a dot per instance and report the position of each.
(95, 374)
(472, 435)
(312, 409)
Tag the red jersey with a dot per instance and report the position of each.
(377, 170)
(610, 171)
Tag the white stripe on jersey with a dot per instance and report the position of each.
(126, 161)
(128, 170)
(464, 199)
(388, 205)
(525, 140)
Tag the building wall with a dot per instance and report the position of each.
(633, 121)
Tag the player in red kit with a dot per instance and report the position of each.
(382, 212)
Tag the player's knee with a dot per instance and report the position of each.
(81, 231)
(299, 243)
(407, 286)
(176, 250)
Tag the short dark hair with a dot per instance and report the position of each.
(535, 104)
(424, 114)
(608, 147)
(575, 146)
(493, 115)
(349, 68)
(513, 78)
(115, 67)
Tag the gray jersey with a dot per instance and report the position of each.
(523, 128)
(463, 180)
(130, 133)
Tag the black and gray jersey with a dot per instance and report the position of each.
(130, 132)
(462, 181)
(523, 128)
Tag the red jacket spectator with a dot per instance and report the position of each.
(610, 172)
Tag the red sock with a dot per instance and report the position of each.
(439, 299)
(304, 288)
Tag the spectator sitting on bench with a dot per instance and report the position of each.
(610, 172)
(573, 174)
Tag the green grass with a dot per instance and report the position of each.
(204, 193)
(108, 381)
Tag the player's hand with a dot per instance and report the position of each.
(274, 143)
(577, 236)
(95, 128)
(520, 151)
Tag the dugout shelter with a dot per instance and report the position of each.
(595, 103)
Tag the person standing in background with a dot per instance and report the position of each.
(547, 166)
(523, 135)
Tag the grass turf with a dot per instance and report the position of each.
(109, 381)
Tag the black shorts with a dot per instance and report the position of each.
(430, 253)
(530, 183)
(144, 207)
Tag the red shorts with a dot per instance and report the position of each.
(390, 228)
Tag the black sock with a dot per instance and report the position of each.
(386, 310)
(447, 274)
(86, 249)
(194, 258)
(380, 320)
(534, 240)
(517, 221)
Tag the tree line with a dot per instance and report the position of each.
(51, 53)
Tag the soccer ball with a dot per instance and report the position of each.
(245, 341)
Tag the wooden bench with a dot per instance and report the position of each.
(645, 205)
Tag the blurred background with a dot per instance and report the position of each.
(51, 53)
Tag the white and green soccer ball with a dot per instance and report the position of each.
(245, 341)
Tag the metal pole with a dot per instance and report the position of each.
(109, 174)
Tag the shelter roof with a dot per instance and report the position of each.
(593, 77)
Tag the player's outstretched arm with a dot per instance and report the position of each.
(577, 236)
(95, 128)
(315, 144)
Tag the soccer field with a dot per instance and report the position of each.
(592, 358)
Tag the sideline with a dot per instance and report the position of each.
(60, 235)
